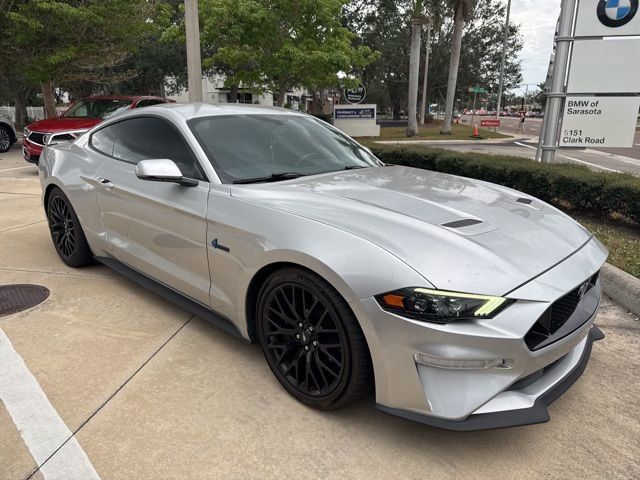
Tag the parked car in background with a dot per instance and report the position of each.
(7, 134)
(83, 115)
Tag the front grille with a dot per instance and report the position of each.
(37, 137)
(557, 315)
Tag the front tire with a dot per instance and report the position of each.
(66, 231)
(311, 340)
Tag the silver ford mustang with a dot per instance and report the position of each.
(468, 305)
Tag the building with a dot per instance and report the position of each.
(214, 91)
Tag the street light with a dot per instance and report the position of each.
(504, 58)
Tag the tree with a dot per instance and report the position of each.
(461, 9)
(278, 45)
(414, 69)
(385, 26)
(60, 41)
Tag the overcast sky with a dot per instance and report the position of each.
(537, 20)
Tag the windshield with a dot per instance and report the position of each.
(98, 108)
(244, 147)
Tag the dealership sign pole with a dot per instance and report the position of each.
(600, 102)
(556, 94)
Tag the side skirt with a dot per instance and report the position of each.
(172, 295)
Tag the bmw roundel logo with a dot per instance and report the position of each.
(616, 13)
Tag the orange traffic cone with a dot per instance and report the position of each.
(476, 133)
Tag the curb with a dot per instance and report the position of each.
(621, 287)
(446, 142)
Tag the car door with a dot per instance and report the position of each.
(157, 228)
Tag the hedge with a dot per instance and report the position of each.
(567, 186)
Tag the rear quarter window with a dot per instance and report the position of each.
(103, 140)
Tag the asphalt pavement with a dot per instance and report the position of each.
(108, 380)
(525, 143)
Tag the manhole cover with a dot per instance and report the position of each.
(16, 298)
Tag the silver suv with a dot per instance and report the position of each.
(7, 134)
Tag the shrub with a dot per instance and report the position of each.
(568, 186)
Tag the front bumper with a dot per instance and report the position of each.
(31, 151)
(515, 393)
(537, 413)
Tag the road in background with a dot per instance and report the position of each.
(524, 145)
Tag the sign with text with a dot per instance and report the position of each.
(490, 123)
(599, 121)
(355, 95)
(476, 90)
(602, 18)
(605, 66)
(355, 112)
(356, 120)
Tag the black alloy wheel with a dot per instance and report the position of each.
(311, 340)
(66, 232)
(62, 228)
(5, 139)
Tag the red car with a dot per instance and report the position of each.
(82, 115)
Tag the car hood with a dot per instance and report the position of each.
(460, 234)
(59, 124)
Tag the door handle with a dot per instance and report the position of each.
(105, 182)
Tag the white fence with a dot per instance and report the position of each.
(33, 113)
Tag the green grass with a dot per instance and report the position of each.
(623, 244)
(431, 131)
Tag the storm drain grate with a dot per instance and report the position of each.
(16, 298)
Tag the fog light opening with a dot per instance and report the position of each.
(461, 364)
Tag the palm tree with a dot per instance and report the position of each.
(462, 8)
(414, 68)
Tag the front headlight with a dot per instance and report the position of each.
(440, 306)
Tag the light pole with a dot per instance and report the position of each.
(194, 66)
(423, 106)
(504, 58)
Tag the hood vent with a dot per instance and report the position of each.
(526, 201)
(466, 222)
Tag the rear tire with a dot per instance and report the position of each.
(66, 231)
(311, 340)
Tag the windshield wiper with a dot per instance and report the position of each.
(274, 177)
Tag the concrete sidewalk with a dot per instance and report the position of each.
(150, 392)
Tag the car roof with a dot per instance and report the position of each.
(195, 110)
(131, 98)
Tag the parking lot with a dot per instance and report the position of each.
(138, 388)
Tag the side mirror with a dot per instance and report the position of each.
(164, 170)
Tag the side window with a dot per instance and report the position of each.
(148, 103)
(103, 139)
(150, 138)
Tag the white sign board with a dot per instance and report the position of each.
(356, 120)
(611, 65)
(599, 121)
(601, 18)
